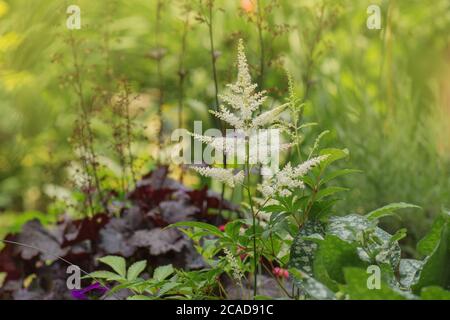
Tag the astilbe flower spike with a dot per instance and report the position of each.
(242, 100)
(223, 175)
(288, 178)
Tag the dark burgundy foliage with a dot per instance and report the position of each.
(139, 233)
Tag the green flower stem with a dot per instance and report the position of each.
(250, 200)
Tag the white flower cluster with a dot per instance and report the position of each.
(243, 101)
(284, 181)
(231, 259)
(241, 95)
(223, 175)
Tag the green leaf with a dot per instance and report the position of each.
(352, 227)
(274, 208)
(167, 287)
(356, 287)
(435, 269)
(333, 155)
(233, 228)
(399, 235)
(388, 210)
(107, 275)
(337, 173)
(117, 263)
(326, 192)
(161, 273)
(311, 286)
(139, 297)
(135, 270)
(322, 209)
(201, 225)
(434, 293)
(427, 245)
(332, 256)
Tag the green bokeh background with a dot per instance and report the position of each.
(383, 94)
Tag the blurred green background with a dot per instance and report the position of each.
(383, 94)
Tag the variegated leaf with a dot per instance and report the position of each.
(303, 247)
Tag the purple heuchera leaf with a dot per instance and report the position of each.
(81, 294)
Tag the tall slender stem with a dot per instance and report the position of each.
(213, 56)
(310, 59)
(216, 88)
(250, 200)
(261, 45)
(88, 144)
(159, 56)
(182, 77)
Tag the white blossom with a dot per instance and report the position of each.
(229, 117)
(303, 168)
(284, 181)
(244, 100)
(221, 144)
(226, 176)
(268, 116)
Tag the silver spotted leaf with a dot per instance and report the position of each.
(303, 247)
(372, 239)
(312, 288)
(409, 272)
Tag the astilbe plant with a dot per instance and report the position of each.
(243, 102)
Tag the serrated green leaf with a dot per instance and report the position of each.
(117, 263)
(161, 273)
(107, 275)
(337, 173)
(388, 210)
(167, 287)
(201, 225)
(326, 192)
(135, 270)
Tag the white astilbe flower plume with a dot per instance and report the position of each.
(284, 181)
(223, 175)
(244, 100)
(241, 100)
(268, 117)
(232, 261)
(229, 117)
(222, 144)
(241, 95)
